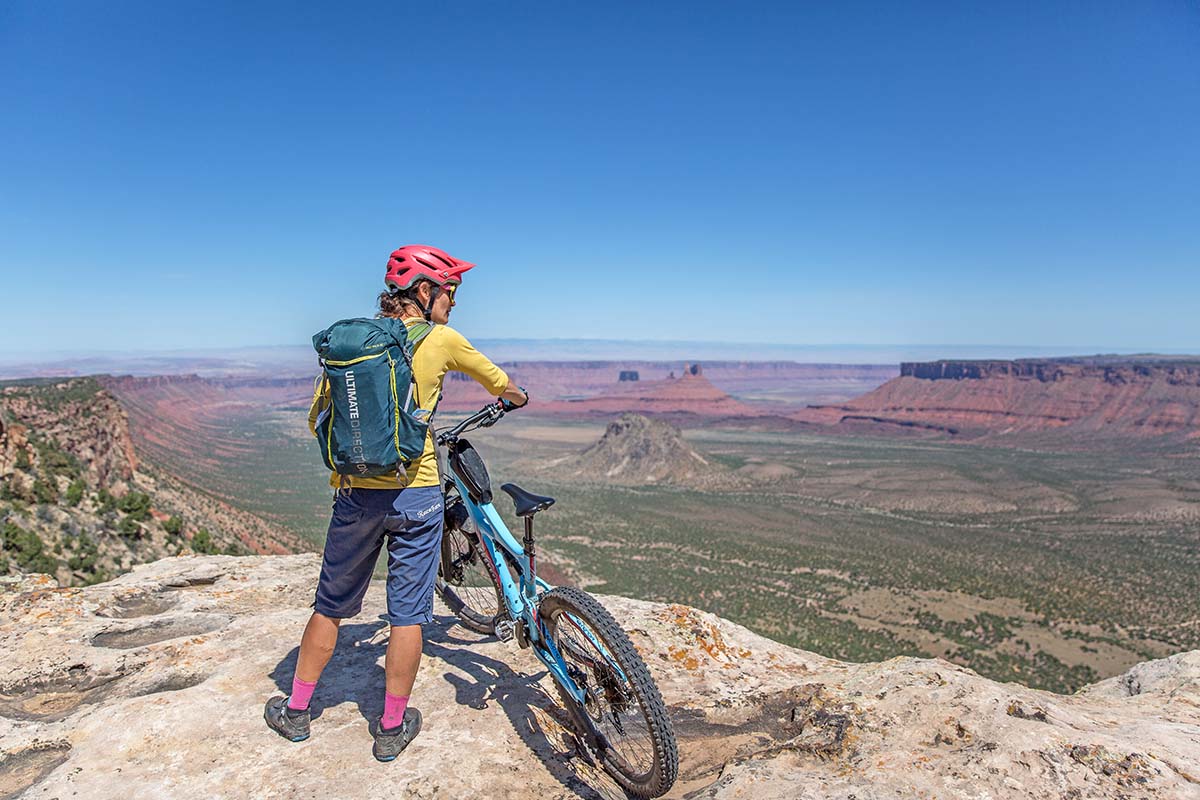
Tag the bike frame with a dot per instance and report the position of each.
(520, 593)
(504, 553)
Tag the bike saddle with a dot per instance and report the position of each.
(527, 503)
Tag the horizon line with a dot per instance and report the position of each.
(1076, 350)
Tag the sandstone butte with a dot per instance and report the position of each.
(1114, 396)
(152, 685)
(637, 450)
(689, 392)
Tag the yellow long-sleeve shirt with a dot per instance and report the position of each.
(442, 350)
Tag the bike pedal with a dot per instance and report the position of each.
(505, 630)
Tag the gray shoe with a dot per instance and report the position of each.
(390, 742)
(287, 722)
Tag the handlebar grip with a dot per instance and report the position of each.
(508, 405)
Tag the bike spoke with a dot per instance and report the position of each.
(467, 574)
(627, 732)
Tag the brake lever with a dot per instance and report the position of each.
(494, 415)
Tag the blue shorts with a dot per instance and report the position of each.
(411, 522)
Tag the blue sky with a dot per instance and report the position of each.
(181, 175)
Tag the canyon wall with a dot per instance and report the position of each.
(1093, 396)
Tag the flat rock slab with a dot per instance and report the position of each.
(152, 685)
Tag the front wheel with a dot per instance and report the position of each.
(621, 698)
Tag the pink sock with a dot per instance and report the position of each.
(393, 710)
(301, 694)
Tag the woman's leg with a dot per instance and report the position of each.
(403, 659)
(415, 534)
(351, 550)
(317, 645)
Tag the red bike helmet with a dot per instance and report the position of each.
(413, 261)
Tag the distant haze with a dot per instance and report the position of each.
(299, 360)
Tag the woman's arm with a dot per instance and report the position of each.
(468, 360)
(515, 394)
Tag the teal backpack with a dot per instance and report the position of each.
(370, 427)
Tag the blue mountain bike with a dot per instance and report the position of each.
(489, 580)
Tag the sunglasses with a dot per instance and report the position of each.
(450, 289)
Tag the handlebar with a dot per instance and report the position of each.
(485, 417)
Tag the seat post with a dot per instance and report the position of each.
(527, 543)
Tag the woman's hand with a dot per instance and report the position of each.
(514, 397)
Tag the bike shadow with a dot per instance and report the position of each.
(537, 717)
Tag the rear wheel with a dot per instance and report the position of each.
(621, 698)
(464, 581)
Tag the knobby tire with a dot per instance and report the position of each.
(646, 769)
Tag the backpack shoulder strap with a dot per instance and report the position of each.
(418, 331)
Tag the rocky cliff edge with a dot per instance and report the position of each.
(152, 685)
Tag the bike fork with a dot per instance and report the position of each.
(593, 740)
(585, 726)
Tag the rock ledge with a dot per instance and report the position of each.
(152, 685)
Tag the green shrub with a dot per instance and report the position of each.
(129, 527)
(45, 491)
(54, 461)
(18, 492)
(173, 526)
(203, 543)
(83, 562)
(136, 505)
(75, 492)
(106, 501)
(88, 554)
(74, 391)
(27, 549)
(99, 576)
(23, 461)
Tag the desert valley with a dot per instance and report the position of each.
(1035, 521)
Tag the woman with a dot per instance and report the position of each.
(407, 512)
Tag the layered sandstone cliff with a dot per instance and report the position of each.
(82, 420)
(152, 685)
(77, 502)
(1108, 396)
